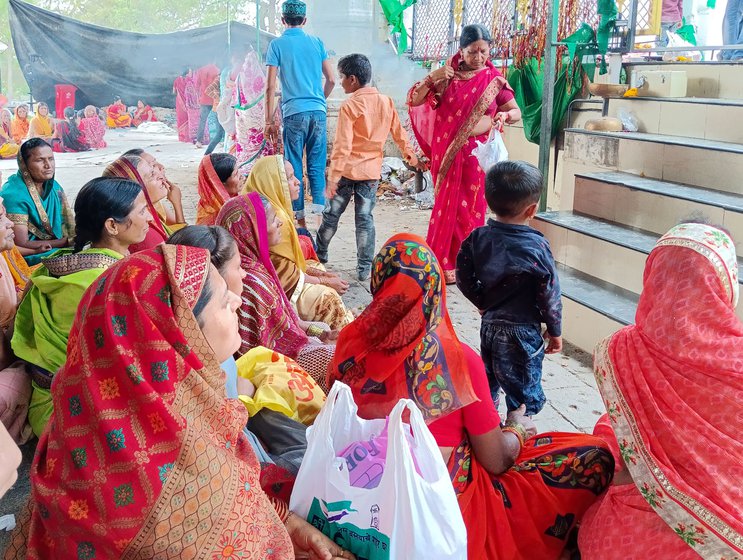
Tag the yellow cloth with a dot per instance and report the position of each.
(8, 150)
(268, 178)
(41, 127)
(281, 385)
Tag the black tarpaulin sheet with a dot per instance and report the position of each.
(102, 62)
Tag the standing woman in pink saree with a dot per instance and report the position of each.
(186, 107)
(450, 110)
(248, 98)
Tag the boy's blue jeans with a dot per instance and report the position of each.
(307, 130)
(513, 355)
(732, 29)
(365, 198)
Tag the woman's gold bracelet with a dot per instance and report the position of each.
(518, 430)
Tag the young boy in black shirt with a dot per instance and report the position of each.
(507, 270)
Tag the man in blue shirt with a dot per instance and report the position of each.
(301, 62)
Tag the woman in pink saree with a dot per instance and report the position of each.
(186, 107)
(451, 109)
(248, 98)
(673, 387)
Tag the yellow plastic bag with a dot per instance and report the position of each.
(280, 385)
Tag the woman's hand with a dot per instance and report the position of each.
(518, 417)
(175, 196)
(329, 336)
(339, 285)
(500, 120)
(446, 72)
(310, 543)
(43, 248)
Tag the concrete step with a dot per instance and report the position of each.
(605, 250)
(653, 205)
(692, 161)
(720, 80)
(591, 308)
(712, 119)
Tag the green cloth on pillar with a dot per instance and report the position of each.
(393, 12)
(527, 83)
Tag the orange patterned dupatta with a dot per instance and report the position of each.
(144, 456)
(212, 193)
(404, 345)
(673, 386)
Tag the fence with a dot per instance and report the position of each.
(515, 24)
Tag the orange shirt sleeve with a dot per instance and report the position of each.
(343, 144)
(400, 136)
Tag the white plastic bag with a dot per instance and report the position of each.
(492, 151)
(407, 516)
(629, 120)
(675, 40)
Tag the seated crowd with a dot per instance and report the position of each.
(157, 362)
(74, 131)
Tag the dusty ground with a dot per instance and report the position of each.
(573, 401)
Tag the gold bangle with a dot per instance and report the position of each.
(518, 433)
(314, 330)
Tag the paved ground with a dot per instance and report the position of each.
(573, 401)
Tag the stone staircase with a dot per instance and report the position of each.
(621, 191)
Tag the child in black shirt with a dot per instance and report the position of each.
(507, 270)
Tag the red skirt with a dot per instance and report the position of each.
(529, 511)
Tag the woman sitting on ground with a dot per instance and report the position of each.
(8, 147)
(171, 216)
(151, 413)
(314, 292)
(112, 215)
(41, 125)
(117, 116)
(136, 168)
(673, 386)
(15, 386)
(266, 317)
(67, 135)
(20, 124)
(219, 180)
(92, 128)
(143, 113)
(521, 494)
(36, 203)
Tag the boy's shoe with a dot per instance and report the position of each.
(364, 276)
(323, 260)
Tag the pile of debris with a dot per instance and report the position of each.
(400, 182)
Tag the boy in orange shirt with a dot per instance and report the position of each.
(365, 120)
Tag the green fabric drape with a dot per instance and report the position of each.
(393, 12)
(527, 83)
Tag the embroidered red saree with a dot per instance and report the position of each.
(442, 126)
(267, 318)
(145, 457)
(673, 387)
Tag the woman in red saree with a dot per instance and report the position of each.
(92, 128)
(267, 317)
(143, 113)
(218, 181)
(673, 387)
(520, 496)
(117, 116)
(145, 457)
(452, 109)
(138, 169)
(186, 107)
